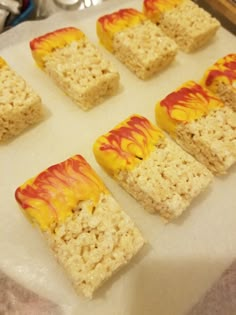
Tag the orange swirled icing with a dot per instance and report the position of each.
(224, 71)
(127, 144)
(110, 24)
(51, 196)
(46, 44)
(188, 103)
(154, 9)
(2, 62)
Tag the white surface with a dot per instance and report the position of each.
(181, 260)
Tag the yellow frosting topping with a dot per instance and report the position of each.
(188, 103)
(127, 144)
(2, 62)
(51, 197)
(224, 71)
(46, 44)
(154, 9)
(110, 24)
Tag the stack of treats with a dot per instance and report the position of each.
(151, 167)
(220, 78)
(89, 234)
(76, 66)
(136, 42)
(182, 20)
(201, 124)
(20, 107)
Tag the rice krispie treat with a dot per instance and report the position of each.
(76, 66)
(20, 106)
(183, 20)
(89, 234)
(201, 124)
(220, 78)
(136, 42)
(151, 167)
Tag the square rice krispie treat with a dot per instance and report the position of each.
(76, 66)
(220, 78)
(201, 124)
(136, 42)
(20, 106)
(151, 167)
(183, 20)
(89, 234)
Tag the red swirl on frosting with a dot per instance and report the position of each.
(190, 97)
(110, 24)
(127, 144)
(71, 33)
(52, 195)
(223, 68)
(46, 44)
(188, 103)
(137, 125)
(123, 15)
(154, 9)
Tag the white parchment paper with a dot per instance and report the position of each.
(181, 260)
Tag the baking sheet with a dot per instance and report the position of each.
(181, 260)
